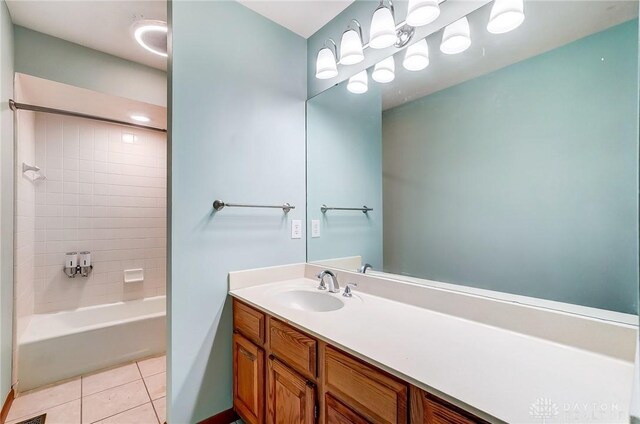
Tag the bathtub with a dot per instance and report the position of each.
(57, 346)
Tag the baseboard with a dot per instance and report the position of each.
(224, 417)
(6, 406)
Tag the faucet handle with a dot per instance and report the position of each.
(347, 289)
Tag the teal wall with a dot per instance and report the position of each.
(6, 200)
(58, 60)
(344, 169)
(524, 180)
(238, 134)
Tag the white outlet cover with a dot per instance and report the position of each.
(315, 228)
(296, 229)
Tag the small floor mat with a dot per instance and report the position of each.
(35, 420)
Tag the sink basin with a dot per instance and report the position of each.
(310, 301)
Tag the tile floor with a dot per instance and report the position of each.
(129, 394)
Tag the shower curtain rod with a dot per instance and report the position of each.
(23, 106)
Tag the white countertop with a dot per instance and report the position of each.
(500, 372)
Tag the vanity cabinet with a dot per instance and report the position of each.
(283, 376)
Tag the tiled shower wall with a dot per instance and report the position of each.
(105, 192)
(25, 218)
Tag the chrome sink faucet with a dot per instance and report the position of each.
(363, 269)
(334, 287)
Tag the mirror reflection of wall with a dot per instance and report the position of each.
(344, 151)
(511, 167)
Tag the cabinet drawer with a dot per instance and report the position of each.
(296, 349)
(373, 394)
(249, 322)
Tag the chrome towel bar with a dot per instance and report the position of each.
(219, 205)
(363, 209)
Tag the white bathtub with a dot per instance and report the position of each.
(66, 344)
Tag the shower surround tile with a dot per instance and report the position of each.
(101, 195)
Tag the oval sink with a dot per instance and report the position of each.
(310, 301)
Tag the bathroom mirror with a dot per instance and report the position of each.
(509, 169)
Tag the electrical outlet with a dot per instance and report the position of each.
(296, 229)
(315, 228)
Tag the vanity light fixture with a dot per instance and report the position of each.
(152, 35)
(416, 58)
(140, 118)
(383, 27)
(422, 12)
(359, 83)
(506, 15)
(456, 37)
(351, 45)
(326, 66)
(384, 71)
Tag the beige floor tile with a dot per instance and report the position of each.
(143, 414)
(112, 401)
(153, 365)
(43, 399)
(160, 406)
(111, 378)
(67, 413)
(156, 385)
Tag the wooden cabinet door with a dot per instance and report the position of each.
(290, 398)
(338, 413)
(248, 380)
(428, 409)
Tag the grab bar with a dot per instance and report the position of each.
(218, 205)
(363, 209)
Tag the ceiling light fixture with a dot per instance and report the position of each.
(140, 118)
(506, 15)
(351, 45)
(152, 35)
(359, 83)
(383, 27)
(326, 66)
(422, 12)
(456, 37)
(416, 58)
(384, 71)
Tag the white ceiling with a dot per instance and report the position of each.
(304, 17)
(548, 25)
(106, 26)
(100, 25)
